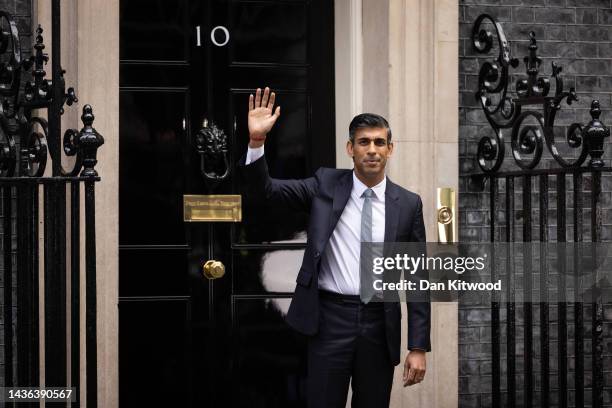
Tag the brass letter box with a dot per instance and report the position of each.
(212, 208)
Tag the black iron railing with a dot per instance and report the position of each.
(529, 117)
(26, 141)
(502, 198)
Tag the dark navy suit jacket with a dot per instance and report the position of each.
(324, 196)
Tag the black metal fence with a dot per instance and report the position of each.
(530, 119)
(24, 273)
(50, 257)
(503, 188)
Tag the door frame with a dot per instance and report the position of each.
(92, 67)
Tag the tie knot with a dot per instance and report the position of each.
(368, 193)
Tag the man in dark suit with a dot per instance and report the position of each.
(349, 337)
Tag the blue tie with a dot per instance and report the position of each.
(367, 281)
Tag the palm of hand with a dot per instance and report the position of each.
(260, 121)
(261, 118)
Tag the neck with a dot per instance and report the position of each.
(370, 181)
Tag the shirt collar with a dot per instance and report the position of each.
(379, 189)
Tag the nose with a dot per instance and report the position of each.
(372, 148)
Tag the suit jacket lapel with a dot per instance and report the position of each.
(342, 192)
(392, 211)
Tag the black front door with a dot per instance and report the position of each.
(185, 340)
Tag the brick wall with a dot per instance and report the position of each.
(22, 12)
(578, 35)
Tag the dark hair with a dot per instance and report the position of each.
(368, 120)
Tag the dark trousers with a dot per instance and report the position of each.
(351, 343)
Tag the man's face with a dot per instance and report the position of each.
(370, 152)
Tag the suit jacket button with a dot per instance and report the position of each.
(317, 254)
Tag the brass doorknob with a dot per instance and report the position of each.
(213, 269)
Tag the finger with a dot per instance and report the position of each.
(271, 101)
(407, 381)
(251, 102)
(258, 98)
(277, 113)
(411, 376)
(264, 101)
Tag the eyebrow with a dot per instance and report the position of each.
(371, 138)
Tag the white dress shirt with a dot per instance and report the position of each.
(254, 154)
(340, 260)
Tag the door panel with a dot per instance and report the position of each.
(270, 358)
(152, 175)
(154, 30)
(154, 272)
(154, 352)
(228, 335)
(269, 32)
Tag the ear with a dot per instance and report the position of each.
(390, 149)
(349, 148)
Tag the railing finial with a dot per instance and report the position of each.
(89, 141)
(594, 134)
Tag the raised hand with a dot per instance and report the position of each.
(261, 119)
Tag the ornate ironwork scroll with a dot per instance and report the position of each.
(19, 98)
(531, 128)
